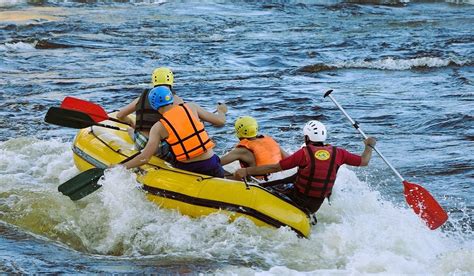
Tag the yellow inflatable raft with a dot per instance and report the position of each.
(192, 194)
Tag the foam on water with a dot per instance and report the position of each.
(361, 232)
(470, 2)
(11, 3)
(403, 64)
(29, 162)
(17, 47)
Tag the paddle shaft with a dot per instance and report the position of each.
(73, 119)
(356, 126)
(110, 119)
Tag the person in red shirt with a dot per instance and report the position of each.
(317, 164)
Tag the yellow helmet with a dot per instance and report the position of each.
(246, 127)
(162, 76)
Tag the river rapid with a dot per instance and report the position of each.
(404, 70)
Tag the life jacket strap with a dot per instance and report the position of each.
(196, 132)
(180, 141)
(186, 152)
(310, 179)
(330, 170)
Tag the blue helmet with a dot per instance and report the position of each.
(160, 96)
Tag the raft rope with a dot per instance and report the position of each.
(201, 178)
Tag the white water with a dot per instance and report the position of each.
(17, 47)
(402, 64)
(381, 64)
(11, 3)
(361, 232)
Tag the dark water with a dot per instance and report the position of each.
(405, 72)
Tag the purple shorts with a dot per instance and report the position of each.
(211, 166)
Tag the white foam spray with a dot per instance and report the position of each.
(17, 47)
(11, 3)
(361, 232)
(402, 64)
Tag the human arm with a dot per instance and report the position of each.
(283, 153)
(241, 154)
(260, 170)
(217, 119)
(297, 159)
(157, 133)
(123, 113)
(367, 154)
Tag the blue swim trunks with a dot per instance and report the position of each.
(211, 166)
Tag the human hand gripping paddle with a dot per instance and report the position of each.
(95, 111)
(417, 197)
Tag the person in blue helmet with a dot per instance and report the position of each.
(182, 128)
(146, 116)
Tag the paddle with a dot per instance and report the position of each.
(82, 184)
(73, 119)
(85, 183)
(417, 197)
(95, 111)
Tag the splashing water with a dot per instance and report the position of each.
(360, 232)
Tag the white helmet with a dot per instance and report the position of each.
(315, 130)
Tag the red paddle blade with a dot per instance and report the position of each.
(424, 204)
(97, 113)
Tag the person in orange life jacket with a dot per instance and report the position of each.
(317, 167)
(253, 149)
(146, 116)
(182, 128)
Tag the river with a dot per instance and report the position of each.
(404, 70)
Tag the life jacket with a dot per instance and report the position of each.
(265, 150)
(317, 178)
(186, 134)
(146, 115)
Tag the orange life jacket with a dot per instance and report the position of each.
(317, 178)
(265, 150)
(186, 134)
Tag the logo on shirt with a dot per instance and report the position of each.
(322, 155)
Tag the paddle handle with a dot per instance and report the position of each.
(109, 126)
(356, 126)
